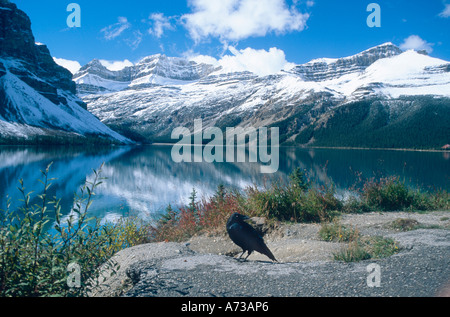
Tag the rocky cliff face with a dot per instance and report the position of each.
(17, 42)
(328, 69)
(37, 97)
(152, 70)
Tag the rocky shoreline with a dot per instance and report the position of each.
(205, 267)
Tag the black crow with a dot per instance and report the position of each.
(246, 237)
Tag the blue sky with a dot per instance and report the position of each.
(296, 30)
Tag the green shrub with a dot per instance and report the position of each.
(388, 194)
(366, 248)
(34, 262)
(337, 232)
(354, 252)
(380, 247)
(439, 200)
(294, 201)
(299, 179)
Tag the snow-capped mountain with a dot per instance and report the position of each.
(38, 101)
(153, 70)
(147, 101)
(325, 69)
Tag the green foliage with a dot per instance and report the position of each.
(34, 262)
(294, 201)
(367, 248)
(299, 179)
(337, 232)
(354, 252)
(388, 194)
(391, 194)
(420, 122)
(358, 248)
(380, 247)
(193, 202)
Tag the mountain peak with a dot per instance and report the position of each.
(157, 69)
(387, 48)
(327, 68)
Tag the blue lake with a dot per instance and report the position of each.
(143, 180)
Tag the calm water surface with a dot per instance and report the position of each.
(144, 180)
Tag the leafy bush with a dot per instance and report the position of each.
(388, 194)
(295, 201)
(34, 262)
(206, 215)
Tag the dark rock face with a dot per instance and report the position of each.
(15, 38)
(17, 42)
(38, 102)
(322, 70)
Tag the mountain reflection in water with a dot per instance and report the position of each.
(143, 180)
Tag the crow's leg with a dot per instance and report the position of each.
(249, 253)
(242, 254)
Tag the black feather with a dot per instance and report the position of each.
(246, 237)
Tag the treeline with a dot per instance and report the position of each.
(56, 139)
(416, 123)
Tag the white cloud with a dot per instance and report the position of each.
(116, 65)
(72, 66)
(259, 62)
(135, 41)
(414, 42)
(114, 30)
(159, 24)
(446, 12)
(239, 19)
(202, 59)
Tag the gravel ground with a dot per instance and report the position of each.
(204, 267)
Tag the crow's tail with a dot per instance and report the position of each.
(269, 254)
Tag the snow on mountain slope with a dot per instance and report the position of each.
(25, 106)
(384, 66)
(154, 102)
(152, 70)
(408, 74)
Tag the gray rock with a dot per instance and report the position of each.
(196, 269)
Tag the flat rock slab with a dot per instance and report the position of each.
(202, 268)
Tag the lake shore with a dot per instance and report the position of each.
(326, 148)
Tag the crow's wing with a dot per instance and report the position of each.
(240, 236)
(257, 242)
(249, 239)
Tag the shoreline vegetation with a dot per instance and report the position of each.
(112, 144)
(35, 262)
